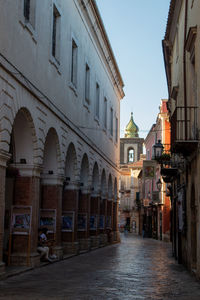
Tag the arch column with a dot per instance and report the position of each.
(3, 160)
(95, 215)
(109, 222)
(70, 208)
(84, 211)
(26, 193)
(51, 199)
(116, 237)
(103, 214)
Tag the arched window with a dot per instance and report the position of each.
(131, 155)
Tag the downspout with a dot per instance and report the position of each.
(184, 67)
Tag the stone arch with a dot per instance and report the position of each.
(110, 187)
(103, 183)
(52, 155)
(95, 178)
(23, 140)
(84, 174)
(71, 164)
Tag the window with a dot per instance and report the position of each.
(29, 11)
(56, 34)
(87, 83)
(105, 113)
(111, 122)
(131, 155)
(74, 63)
(116, 128)
(97, 101)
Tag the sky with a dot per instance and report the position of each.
(135, 29)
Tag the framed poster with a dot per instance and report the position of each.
(101, 222)
(82, 222)
(93, 222)
(48, 219)
(21, 219)
(68, 221)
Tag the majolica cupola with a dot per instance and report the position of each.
(131, 130)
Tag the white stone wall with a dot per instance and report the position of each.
(32, 80)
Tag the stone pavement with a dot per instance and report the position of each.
(135, 269)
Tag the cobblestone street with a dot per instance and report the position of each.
(135, 269)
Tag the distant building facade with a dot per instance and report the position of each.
(60, 92)
(131, 149)
(156, 203)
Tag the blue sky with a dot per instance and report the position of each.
(135, 29)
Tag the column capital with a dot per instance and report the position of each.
(26, 170)
(4, 157)
(52, 179)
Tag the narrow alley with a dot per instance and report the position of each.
(134, 269)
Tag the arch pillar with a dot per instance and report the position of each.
(70, 208)
(103, 214)
(84, 211)
(4, 157)
(116, 237)
(26, 193)
(51, 199)
(94, 215)
(109, 220)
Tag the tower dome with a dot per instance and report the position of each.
(131, 130)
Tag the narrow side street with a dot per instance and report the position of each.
(135, 269)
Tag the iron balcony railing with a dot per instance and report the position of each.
(184, 124)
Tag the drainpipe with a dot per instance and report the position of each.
(184, 66)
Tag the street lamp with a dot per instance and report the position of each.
(158, 149)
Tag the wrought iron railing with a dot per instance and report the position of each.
(184, 124)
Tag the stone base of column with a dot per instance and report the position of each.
(110, 237)
(58, 252)
(70, 248)
(166, 237)
(84, 245)
(20, 259)
(95, 241)
(103, 239)
(116, 237)
(2, 268)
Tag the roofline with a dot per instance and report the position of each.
(103, 31)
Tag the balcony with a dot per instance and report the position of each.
(184, 131)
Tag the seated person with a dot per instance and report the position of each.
(42, 248)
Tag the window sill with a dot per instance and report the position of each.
(55, 63)
(29, 28)
(97, 120)
(73, 88)
(86, 105)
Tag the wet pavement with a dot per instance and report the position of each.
(135, 269)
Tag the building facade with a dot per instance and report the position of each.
(156, 206)
(182, 59)
(60, 92)
(131, 149)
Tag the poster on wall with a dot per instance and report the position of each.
(48, 219)
(149, 169)
(93, 222)
(82, 222)
(21, 219)
(101, 222)
(68, 221)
